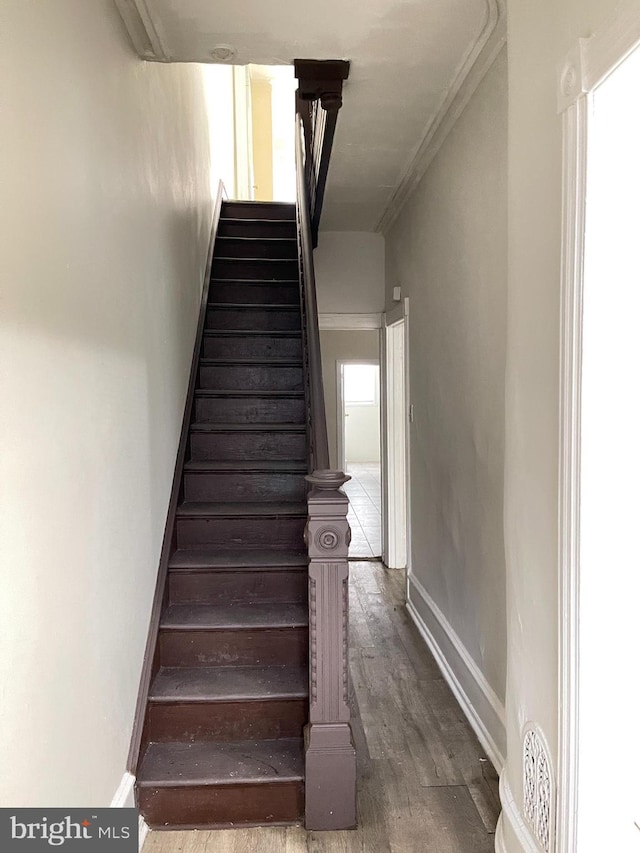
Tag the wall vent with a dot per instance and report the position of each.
(538, 788)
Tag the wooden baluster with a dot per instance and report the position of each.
(330, 777)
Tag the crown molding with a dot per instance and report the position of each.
(145, 32)
(472, 70)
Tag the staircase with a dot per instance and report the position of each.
(222, 739)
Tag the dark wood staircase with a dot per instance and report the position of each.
(222, 738)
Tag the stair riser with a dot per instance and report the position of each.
(205, 806)
(258, 268)
(257, 210)
(254, 294)
(243, 486)
(210, 447)
(273, 229)
(227, 377)
(240, 532)
(261, 346)
(278, 646)
(256, 248)
(217, 586)
(252, 318)
(235, 410)
(225, 721)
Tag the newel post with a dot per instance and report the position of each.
(330, 779)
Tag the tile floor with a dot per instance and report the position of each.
(365, 509)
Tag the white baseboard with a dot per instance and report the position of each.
(143, 831)
(511, 824)
(124, 799)
(476, 697)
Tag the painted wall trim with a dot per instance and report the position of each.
(511, 816)
(468, 77)
(481, 705)
(144, 32)
(593, 59)
(349, 322)
(124, 798)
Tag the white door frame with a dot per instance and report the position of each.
(340, 426)
(396, 548)
(586, 67)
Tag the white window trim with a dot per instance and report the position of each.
(588, 64)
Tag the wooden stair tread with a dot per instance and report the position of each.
(229, 683)
(249, 361)
(206, 763)
(269, 466)
(243, 333)
(262, 239)
(226, 509)
(259, 282)
(210, 392)
(241, 558)
(253, 306)
(234, 615)
(242, 220)
(248, 428)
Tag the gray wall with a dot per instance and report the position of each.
(448, 252)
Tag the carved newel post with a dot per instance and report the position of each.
(330, 779)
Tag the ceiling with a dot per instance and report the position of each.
(411, 63)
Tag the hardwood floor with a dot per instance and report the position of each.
(425, 784)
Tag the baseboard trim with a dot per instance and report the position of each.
(124, 798)
(513, 820)
(482, 707)
(143, 831)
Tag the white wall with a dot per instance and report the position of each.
(336, 345)
(349, 267)
(540, 36)
(448, 252)
(104, 226)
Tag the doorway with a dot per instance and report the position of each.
(359, 453)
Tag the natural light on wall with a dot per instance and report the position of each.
(252, 130)
(609, 682)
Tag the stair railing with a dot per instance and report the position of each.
(319, 98)
(330, 758)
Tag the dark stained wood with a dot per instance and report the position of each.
(249, 408)
(319, 99)
(226, 720)
(424, 782)
(224, 441)
(256, 247)
(256, 292)
(272, 318)
(231, 227)
(267, 269)
(252, 343)
(235, 647)
(272, 584)
(168, 543)
(228, 695)
(252, 376)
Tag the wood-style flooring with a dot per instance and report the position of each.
(425, 784)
